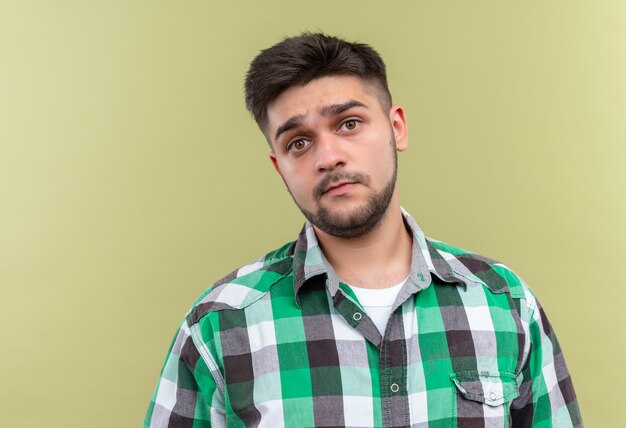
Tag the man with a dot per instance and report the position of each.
(362, 321)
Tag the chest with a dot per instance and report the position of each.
(446, 357)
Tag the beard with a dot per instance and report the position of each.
(359, 221)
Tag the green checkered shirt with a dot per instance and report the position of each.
(282, 342)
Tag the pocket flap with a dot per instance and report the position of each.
(489, 388)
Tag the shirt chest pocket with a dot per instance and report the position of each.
(484, 398)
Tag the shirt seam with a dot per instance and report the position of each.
(207, 358)
(527, 349)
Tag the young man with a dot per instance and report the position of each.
(362, 321)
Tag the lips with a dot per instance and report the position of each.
(338, 189)
(339, 182)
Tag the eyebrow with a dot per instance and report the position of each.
(329, 110)
(334, 109)
(290, 123)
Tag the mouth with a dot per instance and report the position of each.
(339, 188)
(339, 183)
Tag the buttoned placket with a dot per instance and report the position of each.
(393, 353)
(393, 346)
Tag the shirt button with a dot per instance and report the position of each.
(357, 316)
(492, 396)
(395, 387)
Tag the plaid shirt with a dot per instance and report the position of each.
(282, 342)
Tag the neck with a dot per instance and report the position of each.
(379, 259)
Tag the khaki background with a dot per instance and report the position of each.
(131, 176)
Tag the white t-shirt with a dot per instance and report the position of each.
(377, 303)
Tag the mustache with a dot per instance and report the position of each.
(333, 177)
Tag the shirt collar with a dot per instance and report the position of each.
(309, 261)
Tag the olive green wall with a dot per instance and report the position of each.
(131, 175)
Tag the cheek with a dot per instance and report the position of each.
(296, 187)
(293, 177)
(382, 167)
(290, 182)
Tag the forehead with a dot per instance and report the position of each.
(310, 99)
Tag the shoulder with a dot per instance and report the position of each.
(474, 269)
(245, 285)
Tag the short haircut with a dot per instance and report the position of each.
(296, 61)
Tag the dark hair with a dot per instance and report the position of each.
(296, 61)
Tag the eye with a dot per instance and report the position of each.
(298, 145)
(350, 124)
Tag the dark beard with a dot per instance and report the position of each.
(363, 219)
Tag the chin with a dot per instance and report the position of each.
(352, 222)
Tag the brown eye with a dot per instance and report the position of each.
(298, 145)
(350, 124)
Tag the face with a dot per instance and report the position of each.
(334, 146)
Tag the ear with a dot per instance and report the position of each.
(274, 161)
(400, 129)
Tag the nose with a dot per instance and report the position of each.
(330, 153)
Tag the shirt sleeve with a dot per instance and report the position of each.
(546, 392)
(186, 394)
